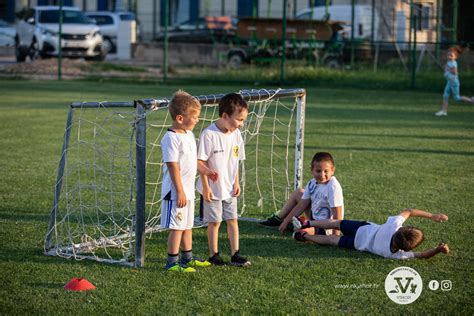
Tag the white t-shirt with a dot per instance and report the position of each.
(222, 153)
(326, 195)
(180, 148)
(376, 238)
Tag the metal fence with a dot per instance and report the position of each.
(405, 38)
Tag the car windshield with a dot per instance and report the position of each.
(69, 17)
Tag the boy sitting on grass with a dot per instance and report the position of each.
(389, 240)
(321, 198)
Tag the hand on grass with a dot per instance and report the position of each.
(439, 218)
(283, 225)
(443, 247)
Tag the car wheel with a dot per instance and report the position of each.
(19, 54)
(235, 60)
(108, 46)
(34, 52)
(333, 63)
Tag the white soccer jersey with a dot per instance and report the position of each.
(326, 195)
(180, 148)
(222, 153)
(376, 238)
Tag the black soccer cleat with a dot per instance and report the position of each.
(239, 261)
(299, 236)
(272, 221)
(216, 260)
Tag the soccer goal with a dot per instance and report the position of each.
(107, 194)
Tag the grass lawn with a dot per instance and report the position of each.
(391, 152)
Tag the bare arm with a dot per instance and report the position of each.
(442, 248)
(411, 212)
(296, 211)
(174, 170)
(204, 170)
(236, 185)
(337, 214)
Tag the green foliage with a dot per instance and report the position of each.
(391, 152)
(389, 75)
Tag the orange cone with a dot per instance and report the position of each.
(79, 284)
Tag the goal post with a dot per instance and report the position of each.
(107, 192)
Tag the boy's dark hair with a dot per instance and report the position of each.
(181, 102)
(230, 103)
(322, 156)
(408, 238)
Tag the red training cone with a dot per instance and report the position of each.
(79, 284)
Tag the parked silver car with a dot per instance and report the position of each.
(108, 23)
(38, 34)
(7, 34)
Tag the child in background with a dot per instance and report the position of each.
(220, 149)
(179, 172)
(452, 84)
(321, 199)
(390, 240)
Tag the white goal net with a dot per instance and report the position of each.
(107, 193)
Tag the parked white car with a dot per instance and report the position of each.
(7, 34)
(108, 23)
(38, 34)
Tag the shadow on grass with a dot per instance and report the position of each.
(400, 150)
(17, 216)
(455, 138)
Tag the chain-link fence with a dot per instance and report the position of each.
(300, 40)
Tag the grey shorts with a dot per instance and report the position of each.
(218, 210)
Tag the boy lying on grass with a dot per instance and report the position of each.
(389, 240)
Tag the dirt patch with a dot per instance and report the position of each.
(76, 69)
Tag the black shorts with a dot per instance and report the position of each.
(349, 230)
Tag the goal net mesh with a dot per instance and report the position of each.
(94, 210)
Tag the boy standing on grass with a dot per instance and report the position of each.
(390, 240)
(220, 149)
(179, 172)
(321, 199)
(452, 84)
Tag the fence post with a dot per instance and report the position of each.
(165, 45)
(352, 31)
(413, 58)
(283, 43)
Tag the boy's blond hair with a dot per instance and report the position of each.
(181, 103)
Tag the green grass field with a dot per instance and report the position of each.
(391, 152)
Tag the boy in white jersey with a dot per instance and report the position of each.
(179, 173)
(220, 149)
(322, 197)
(390, 240)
